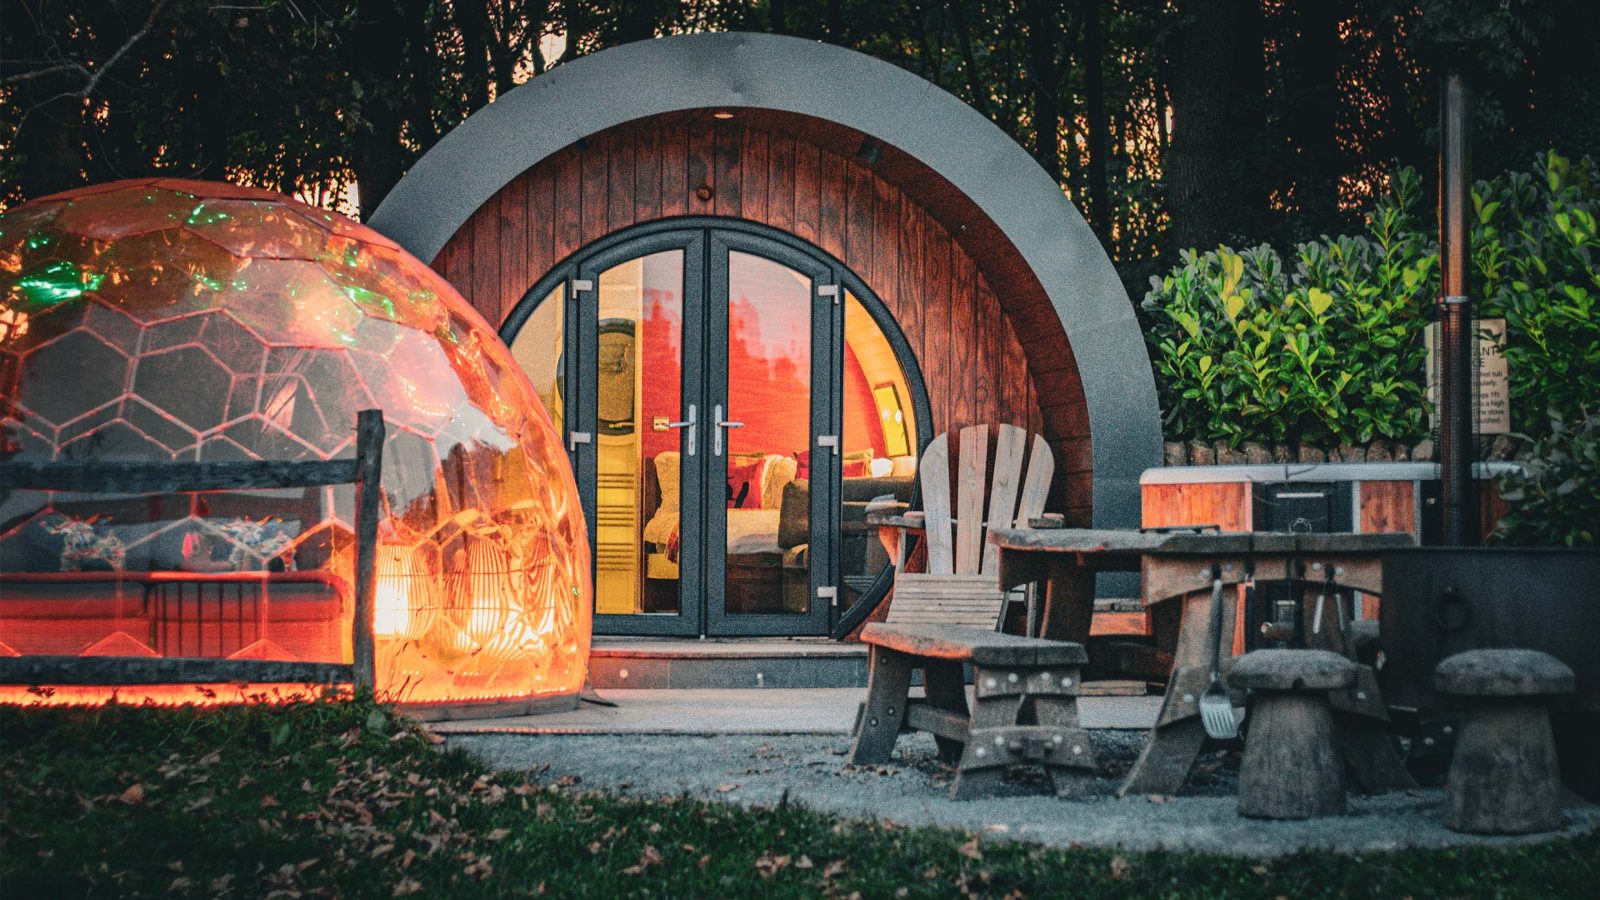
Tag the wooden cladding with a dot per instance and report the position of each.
(985, 336)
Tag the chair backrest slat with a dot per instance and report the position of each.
(934, 474)
(969, 500)
(1036, 490)
(1008, 451)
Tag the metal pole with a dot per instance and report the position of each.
(1457, 340)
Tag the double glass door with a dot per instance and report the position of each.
(694, 379)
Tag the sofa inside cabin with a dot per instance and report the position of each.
(769, 527)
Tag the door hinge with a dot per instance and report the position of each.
(582, 284)
(831, 441)
(830, 594)
(829, 290)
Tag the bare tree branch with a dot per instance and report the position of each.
(45, 72)
(91, 77)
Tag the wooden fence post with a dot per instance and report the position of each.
(369, 490)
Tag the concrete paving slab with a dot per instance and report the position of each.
(749, 711)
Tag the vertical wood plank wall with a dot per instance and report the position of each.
(980, 341)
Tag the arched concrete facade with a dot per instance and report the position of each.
(833, 84)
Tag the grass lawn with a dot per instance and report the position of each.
(345, 799)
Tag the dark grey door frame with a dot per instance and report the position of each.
(582, 356)
(824, 414)
(581, 343)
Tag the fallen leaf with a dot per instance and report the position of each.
(650, 857)
(997, 828)
(970, 849)
(407, 886)
(1160, 798)
(804, 862)
(832, 869)
(133, 795)
(1120, 868)
(198, 804)
(1259, 870)
(499, 834)
(769, 865)
(724, 788)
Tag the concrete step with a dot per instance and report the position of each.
(721, 664)
(642, 663)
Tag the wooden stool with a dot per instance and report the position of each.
(1504, 778)
(1291, 767)
(1025, 711)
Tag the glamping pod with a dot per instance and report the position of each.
(751, 276)
(179, 321)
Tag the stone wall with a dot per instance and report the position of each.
(1219, 453)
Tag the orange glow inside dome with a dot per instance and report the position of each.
(166, 320)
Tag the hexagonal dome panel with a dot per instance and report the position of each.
(159, 319)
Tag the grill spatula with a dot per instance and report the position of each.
(1216, 710)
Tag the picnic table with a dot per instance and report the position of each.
(1182, 567)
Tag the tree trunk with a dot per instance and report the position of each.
(423, 70)
(472, 21)
(1094, 87)
(1043, 36)
(379, 155)
(1310, 75)
(1217, 116)
(969, 61)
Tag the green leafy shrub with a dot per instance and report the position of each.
(1536, 258)
(1556, 499)
(1331, 354)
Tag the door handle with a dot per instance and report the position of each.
(578, 437)
(722, 425)
(688, 423)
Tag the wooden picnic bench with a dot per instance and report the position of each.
(1180, 570)
(941, 621)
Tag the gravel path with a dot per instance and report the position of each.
(760, 770)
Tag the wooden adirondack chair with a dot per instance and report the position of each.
(942, 619)
(962, 583)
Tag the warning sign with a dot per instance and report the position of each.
(1492, 399)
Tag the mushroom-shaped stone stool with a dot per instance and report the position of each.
(1291, 767)
(1504, 778)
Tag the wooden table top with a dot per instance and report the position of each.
(1127, 542)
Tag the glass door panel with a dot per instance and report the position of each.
(637, 440)
(765, 405)
(768, 435)
(878, 458)
(540, 350)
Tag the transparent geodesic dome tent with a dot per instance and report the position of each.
(165, 320)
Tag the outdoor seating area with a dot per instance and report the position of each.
(1312, 713)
